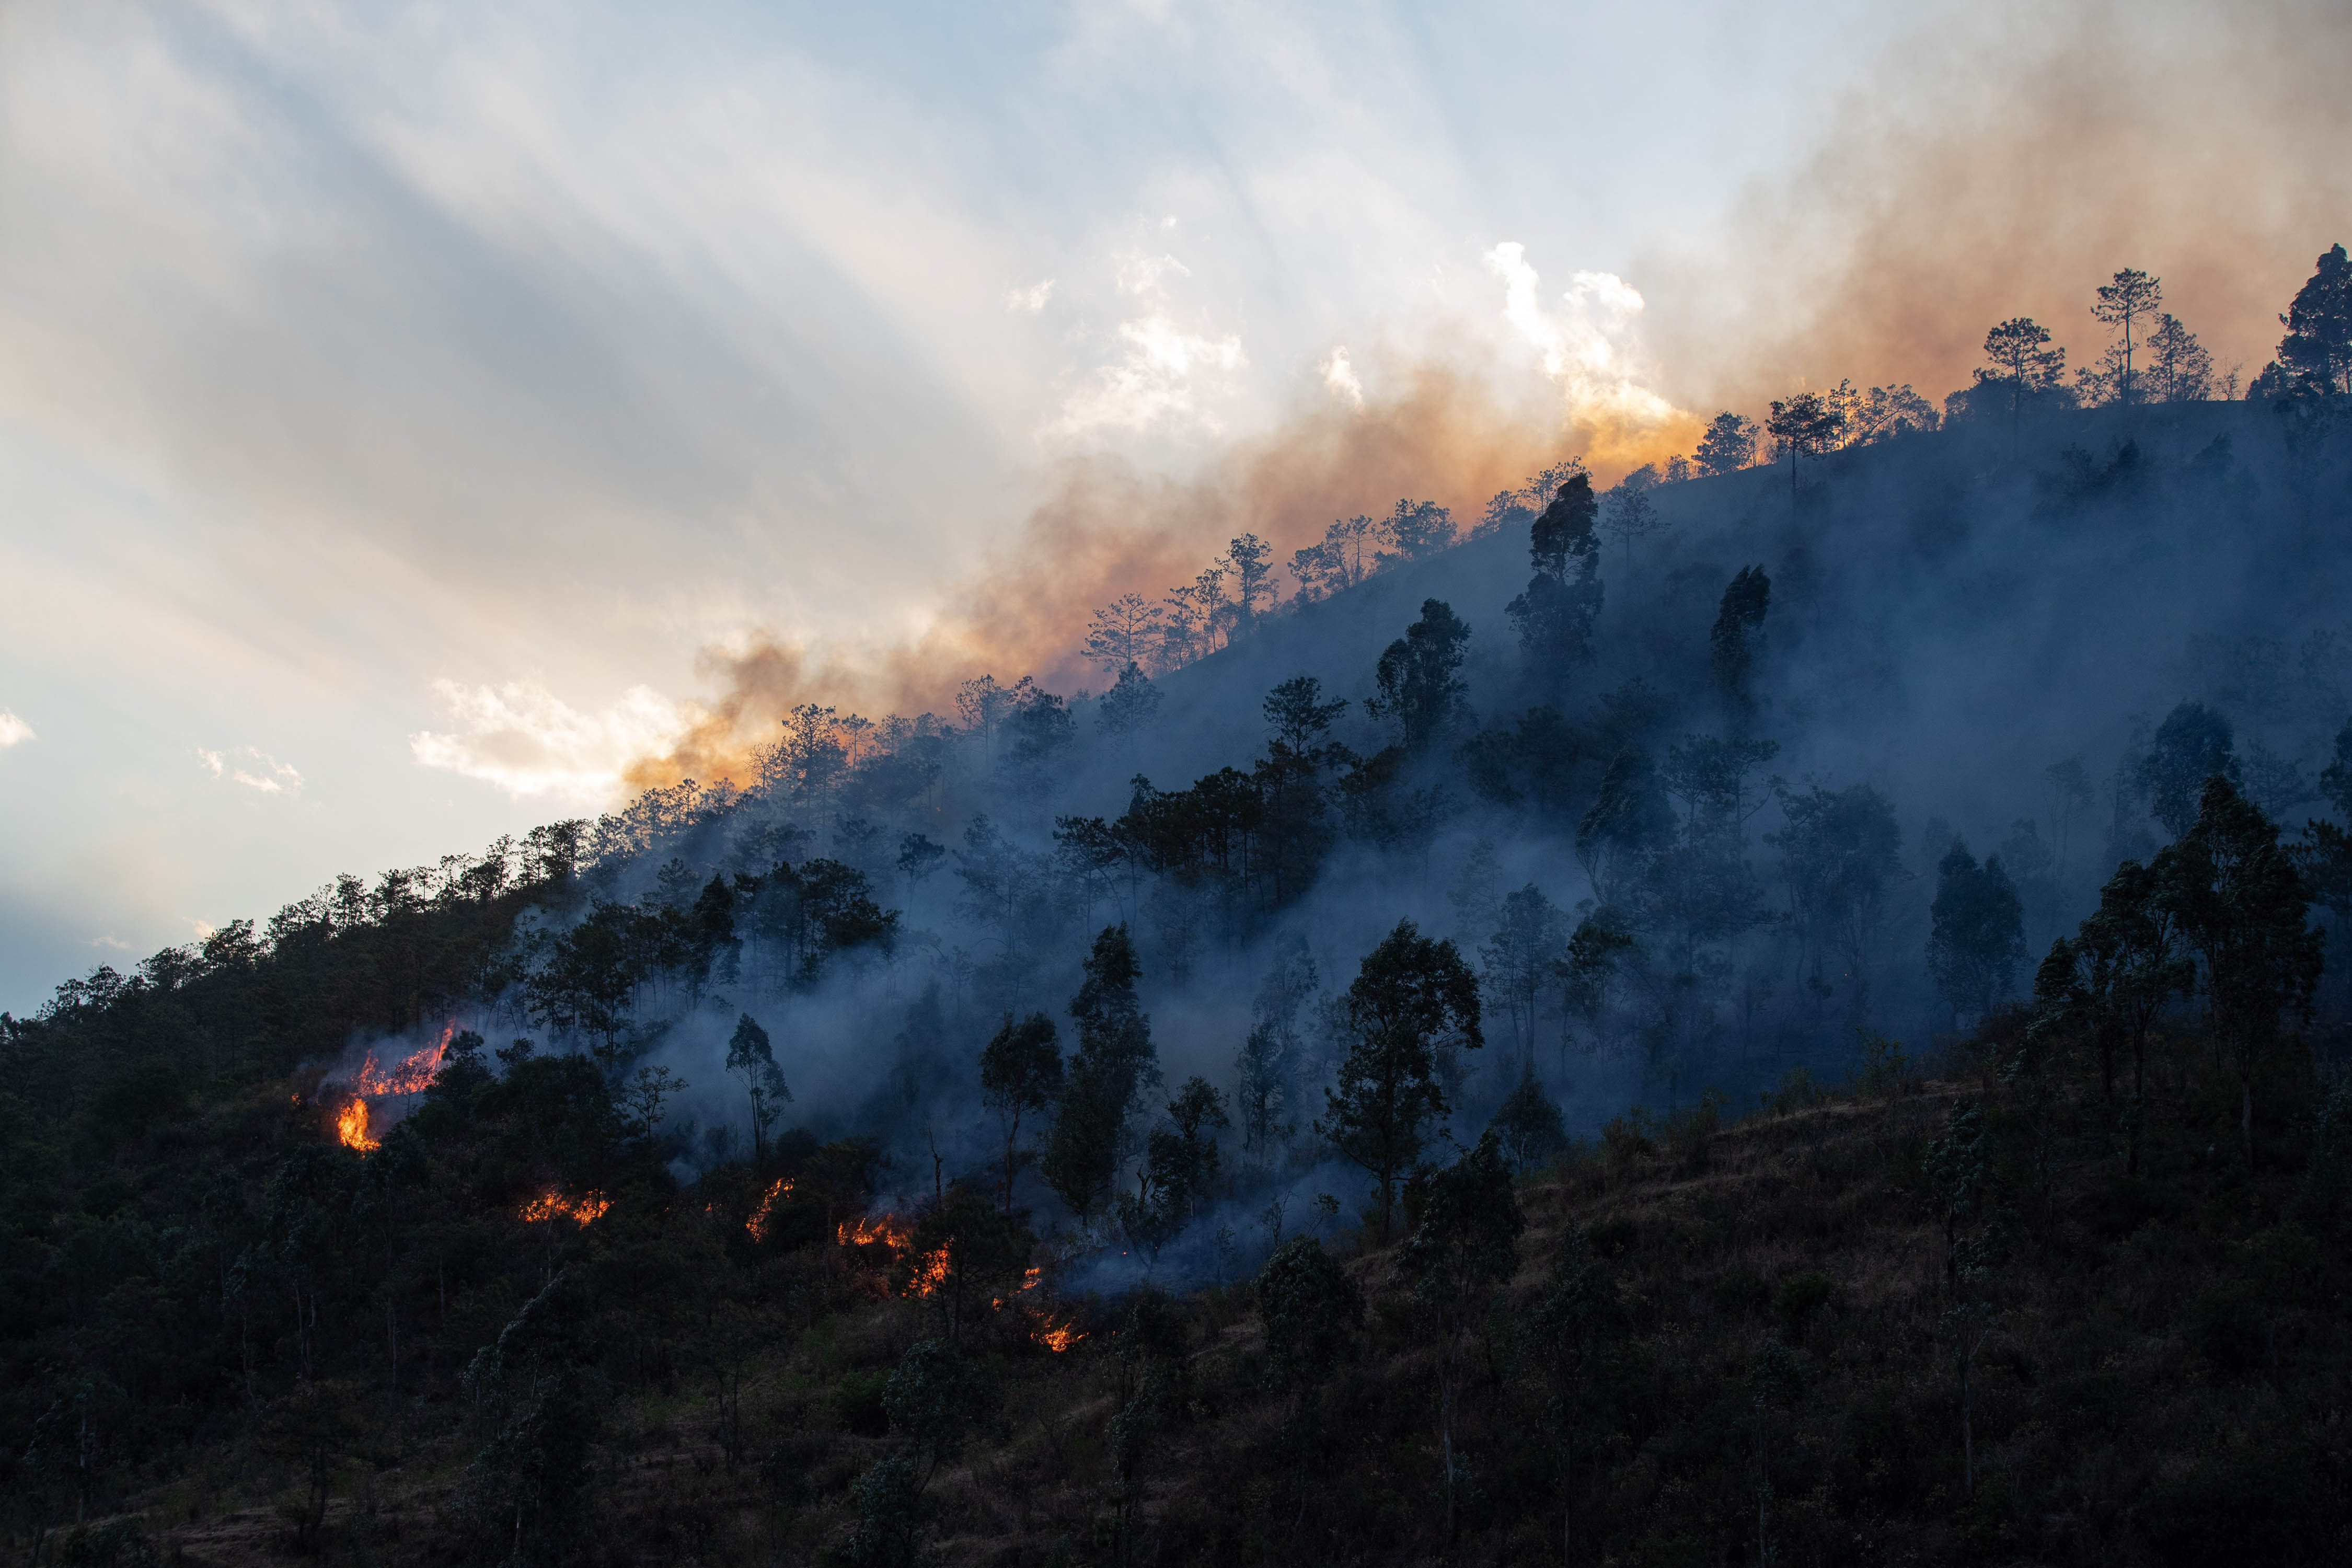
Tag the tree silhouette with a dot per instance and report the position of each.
(2241, 902)
(1806, 426)
(1728, 445)
(2126, 304)
(1458, 1258)
(1418, 680)
(2022, 365)
(1411, 994)
(750, 1058)
(2319, 342)
(1019, 1071)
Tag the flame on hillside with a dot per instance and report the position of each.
(583, 1210)
(866, 1232)
(1055, 1337)
(414, 1075)
(351, 1129)
(762, 1216)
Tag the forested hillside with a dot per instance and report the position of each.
(1792, 1009)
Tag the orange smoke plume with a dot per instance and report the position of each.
(1106, 530)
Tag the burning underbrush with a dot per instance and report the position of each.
(372, 1085)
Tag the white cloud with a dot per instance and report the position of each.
(1152, 382)
(1030, 301)
(526, 741)
(116, 943)
(266, 774)
(1593, 349)
(13, 729)
(1339, 377)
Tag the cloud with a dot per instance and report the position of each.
(274, 777)
(1591, 350)
(1339, 377)
(13, 729)
(115, 942)
(526, 741)
(1030, 301)
(1152, 382)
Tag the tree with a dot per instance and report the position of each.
(1268, 1059)
(537, 1388)
(2241, 902)
(1181, 1166)
(315, 1424)
(1527, 1124)
(1774, 1377)
(2319, 342)
(1962, 1168)
(1309, 1308)
(1125, 632)
(1113, 1065)
(1556, 614)
(1628, 821)
(1337, 563)
(2192, 744)
(1019, 1071)
(2116, 977)
(2179, 368)
(1131, 705)
(2022, 365)
(2125, 305)
(1568, 1335)
(1410, 993)
(750, 1058)
(1738, 635)
(935, 1397)
(1419, 529)
(1841, 851)
(1253, 574)
(1519, 959)
(1728, 445)
(1977, 938)
(1632, 514)
(1458, 1258)
(1806, 427)
(811, 755)
(1419, 678)
(1296, 714)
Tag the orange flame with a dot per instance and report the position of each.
(578, 1210)
(930, 1273)
(351, 1127)
(412, 1076)
(864, 1232)
(758, 1224)
(1055, 1337)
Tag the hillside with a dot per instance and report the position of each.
(905, 1154)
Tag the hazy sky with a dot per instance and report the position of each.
(395, 401)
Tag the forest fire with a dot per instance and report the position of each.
(930, 1272)
(414, 1075)
(1055, 1337)
(580, 1211)
(865, 1232)
(351, 1129)
(760, 1217)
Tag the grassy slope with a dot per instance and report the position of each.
(2166, 1383)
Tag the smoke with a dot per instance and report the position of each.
(1454, 433)
(2004, 163)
